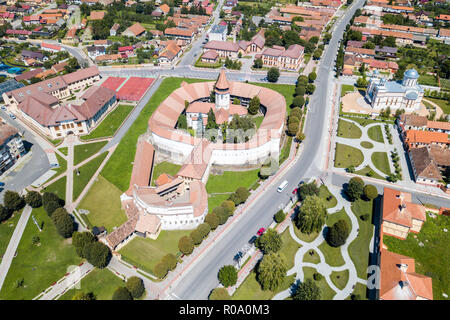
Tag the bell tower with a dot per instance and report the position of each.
(222, 91)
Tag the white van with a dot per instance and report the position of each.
(282, 186)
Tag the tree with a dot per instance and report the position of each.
(196, 236)
(182, 122)
(355, 188)
(161, 269)
(307, 290)
(170, 260)
(298, 101)
(312, 76)
(13, 201)
(312, 214)
(269, 242)
(228, 206)
(279, 216)
(302, 80)
(317, 276)
(33, 199)
(296, 112)
(370, 192)
(317, 54)
(254, 105)
(221, 213)
(4, 213)
(338, 233)
(122, 293)
(212, 220)
(293, 127)
(258, 63)
(361, 82)
(300, 136)
(98, 255)
(392, 177)
(51, 206)
(310, 88)
(51, 202)
(63, 222)
(308, 189)
(50, 196)
(81, 240)
(273, 74)
(228, 276)
(271, 271)
(204, 229)
(240, 195)
(135, 286)
(186, 245)
(219, 294)
(300, 90)
(84, 296)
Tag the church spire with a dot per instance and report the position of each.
(222, 82)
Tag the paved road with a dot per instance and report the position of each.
(13, 244)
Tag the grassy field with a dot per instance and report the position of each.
(311, 258)
(366, 144)
(229, 181)
(145, 253)
(84, 151)
(443, 104)
(118, 169)
(6, 230)
(326, 293)
(287, 90)
(86, 173)
(305, 237)
(164, 167)
(64, 150)
(38, 265)
(250, 289)
(433, 258)
(349, 130)
(381, 161)
(361, 290)
(346, 88)
(284, 153)
(258, 121)
(62, 165)
(111, 123)
(289, 248)
(101, 282)
(346, 156)
(339, 278)
(364, 172)
(363, 121)
(216, 200)
(103, 203)
(58, 187)
(359, 248)
(324, 193)
(375, 134)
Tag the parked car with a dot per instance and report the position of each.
(295, 191)
(12, 116)
(252, 240)
(3, 107)
(2, 184)
(261, 231)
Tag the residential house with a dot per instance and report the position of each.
(210, 56)
(51, 47)
(95, 51)
(223, 48)
(170, 53)
(34, 54)
(288, 59)
(114, 28)
(136, 30)
(180, 33)
(425, 168)
(218, 33)
(419, 138)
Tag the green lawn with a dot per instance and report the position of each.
(363, 121)
(164, 167)
(361, 290)
(38, 266)
(103, 203)
(250, 289)
(145, 253)
(326, 293)
(289, 248)
(86, 150)
(445, 105)
(86, 173)
(64, 150)
(346, 88)
(111, 123)
(62, 165)
(375, 134)
(6, 230)
(58, 187)
(314, 258)
(118, 169)
(346, 156)
(340, 278)
(347, 129)
(216, 200)
(305, 237)
(287, 90)
(284, 153)
(324, 193)
(101, 282)
(359, 248)
(433, 258)
(258, 121)
(364, 172)
(381, 161)
(229, 181)
(333, 256)
(366, 144)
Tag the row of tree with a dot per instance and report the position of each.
(134, 289)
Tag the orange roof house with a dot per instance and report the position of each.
(97, 15)
(164, 8)
(418, 138)
(135, 30)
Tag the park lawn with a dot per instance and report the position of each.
(164, 167)
(347, 156)
(346, 88)
(366, 144)
(258, 121)
(216, 200)
(303, 236)
(375, 134)
(381, 161)
(339, 278)
(62, 165)
(431, 259)
(110, 124)
(101, 282)
(145, 253)
(284, 153)
(364, 172)
(314, 258)
(229, 181)
(86, 150)
(289, 248)
(6, 230)
(326, 293)
(443, 104)
(64, 150)
(349, 130)
(363, 121)
(38, 266)
(324, 193)
(359, 248)
(287, 90)
(250, 289)
(119, 167)
(58, 187)
(86, 172)
(361, 290)
(103, 203)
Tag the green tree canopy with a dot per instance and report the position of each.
(271, 271)
(135, 286)
(338, 233)
(228, 276)
(307, 290)
(273, 74)
(122, 293)
(63, 222)
(254, 105)
(269, 242)
(13, 201)
(311, 216)
(186, 245)
(355, 188)
(33, 199)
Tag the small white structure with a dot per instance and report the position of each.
(218, 33)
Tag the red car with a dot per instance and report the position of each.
(261, 231)
(295, 191)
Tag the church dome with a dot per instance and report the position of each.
(412, 95)
(411, 74)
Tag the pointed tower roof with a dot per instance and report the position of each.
(222, 82)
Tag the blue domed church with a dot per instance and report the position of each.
(405, 94)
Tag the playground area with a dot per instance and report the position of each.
(134, 88)
(113, 83)
(11, 69)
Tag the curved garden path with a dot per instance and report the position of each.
(322, 267)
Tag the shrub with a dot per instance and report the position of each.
(355, 188)
(317, 276)
(228, 206)
(364, 217)
(312, 76)
(170, 260)
(219, 294)
(13, 201)
(33, 199)
(228, 276)
(221, 214)
(269, 242)
(196, 236)
(161, 269)
(98, 254)
(212, 220)
(279, 216)
(63, 222)
(293, 128)
(338, 233)
(122, 293)
(296, 112)
(186, 245)
(4, 213)
(204, 229)
(135, 286)
(51, 206)
(370, 192)
(300, 92)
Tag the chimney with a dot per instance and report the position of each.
(404, 284)
(403, 267)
